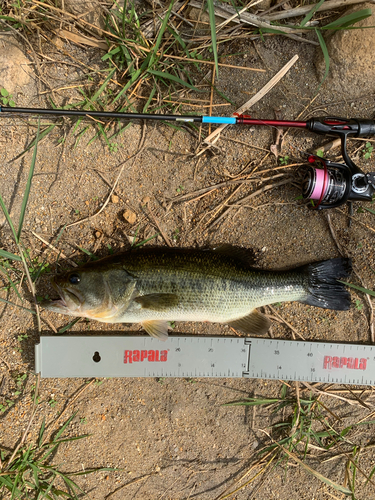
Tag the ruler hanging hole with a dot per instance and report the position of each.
(96, 357)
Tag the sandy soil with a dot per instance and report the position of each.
(173, 438)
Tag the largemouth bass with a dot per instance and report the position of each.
(155, 286)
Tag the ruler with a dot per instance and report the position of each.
(184, 356)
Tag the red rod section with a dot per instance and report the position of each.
(273, 123)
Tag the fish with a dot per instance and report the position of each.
(156, 286)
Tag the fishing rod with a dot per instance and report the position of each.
(330, 184)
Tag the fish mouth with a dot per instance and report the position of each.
(69, 302)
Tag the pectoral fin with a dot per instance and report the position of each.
(157, 328)
(157, 301)
(254, 323)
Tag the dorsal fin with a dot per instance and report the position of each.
(244, 255)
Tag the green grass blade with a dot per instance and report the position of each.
(134, 77)
(36, 472)
(369, 210)
(310, 14)
(41, 432)
(323, 46)
(211, 13)
(50, 486)
(323, 479)
(87, 252)
(42, 134)
(148, 102)
(6, 482)
(28, 185)
(3, 270)
(168, 76)
(359, 288)
(64, 426)
(253, 402)
(145, 241)
(10, 256)
(103, 86)
(69, 325)
(349, 20)
(16, 305)
(15, 489)
(160, 35)
(9, 220)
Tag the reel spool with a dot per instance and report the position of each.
(335, 184)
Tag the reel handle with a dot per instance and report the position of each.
(342, 127)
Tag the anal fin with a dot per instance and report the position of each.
(156, 328)
(254, 323)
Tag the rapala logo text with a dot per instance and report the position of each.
(151, 355)
(341, 362)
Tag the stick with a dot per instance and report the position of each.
(245, 18)
(340, 249)
(166, 239)
(285, 321)
(212, 138)
(252, 195)
(54, 249)
(301, 11)
(33, 412)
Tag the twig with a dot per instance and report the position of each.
(252, 195)
(328, 146)
(245, 143)
(208, 189)
(33, 412)
(318, 391)
(211, 95)
(226, 11)
(54, 249)
(47, 321)
(367, 297)
(296, 423)
(32, 287)
(225, 494)
(212, 138)
(129, 484)
(166, 239)
(301, 11)
(287, 324)
(5, 363)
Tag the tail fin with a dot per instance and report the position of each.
(325, 290)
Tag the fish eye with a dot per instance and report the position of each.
(74, 278)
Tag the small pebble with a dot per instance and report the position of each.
(115, 198)
(146, 200)
(98, 234)
(130, 216)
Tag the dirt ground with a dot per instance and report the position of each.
(173, 438)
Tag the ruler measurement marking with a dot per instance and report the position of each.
(206, 357)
